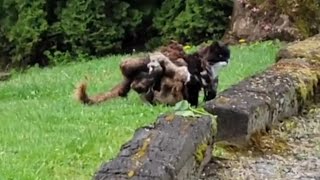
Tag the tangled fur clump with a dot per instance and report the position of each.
(173, 51)
(173, 80)
(166, 76)
(176, 72)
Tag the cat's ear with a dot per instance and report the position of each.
(214, 45)
(223, 44)
(204, 50)
(149, 55)
(217, 45)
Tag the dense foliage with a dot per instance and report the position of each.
(55, 31)
(193, 20)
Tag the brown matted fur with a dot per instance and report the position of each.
(137, 77)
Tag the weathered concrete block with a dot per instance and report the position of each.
(165, 151)
(280, 91)
(253, 105)
(175, 146)
(309, 48)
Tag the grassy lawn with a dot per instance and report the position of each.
(45, 134)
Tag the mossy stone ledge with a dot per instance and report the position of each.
(281, 91)
(177, 147)
(172, 148)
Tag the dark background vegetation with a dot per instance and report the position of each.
(47, 32)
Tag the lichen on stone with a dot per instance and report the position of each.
(305, 77)
(201, 150)
(308, 49)
(138, 156)
(131, 174)
(266, 143)
(223, 100)
(170, 117)
(261, 143)
(142, 150)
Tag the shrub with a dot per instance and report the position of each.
(57, 31)
(193, 20)
(95, 27)
(22, 24)
(54, 31)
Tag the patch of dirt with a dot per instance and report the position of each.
(301, 159)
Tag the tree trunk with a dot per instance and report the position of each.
(273, 19)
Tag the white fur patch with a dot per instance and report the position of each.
(188, 77)
(153, 64)
(157, 57)
(204, 82)
(215, 69)
(203, 73)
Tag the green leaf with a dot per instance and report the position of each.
(181, 106)
(184, 113)
(201, 110)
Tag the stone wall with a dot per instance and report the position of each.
(281, 91)
(178, 147)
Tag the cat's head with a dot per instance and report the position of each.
(215, 56)
(215, 53)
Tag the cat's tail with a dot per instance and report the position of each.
(120, 90)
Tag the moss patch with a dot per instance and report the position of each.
(139, 155)
(142, 150)
(268, 144)
(223, 100)
(201, 151)
(170, 117)
(305, 77)
(261, 143)
(308, 48)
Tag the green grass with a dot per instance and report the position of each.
(45, 134)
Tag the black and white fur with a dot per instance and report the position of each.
(201, 70)
(204, 67)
